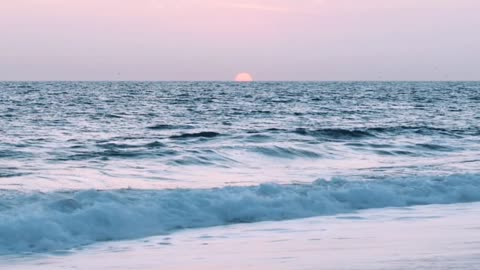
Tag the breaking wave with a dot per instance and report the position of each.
(43, 222)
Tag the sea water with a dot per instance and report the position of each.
(84, 164)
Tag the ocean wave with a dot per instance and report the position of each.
(10, 172)
(115, 146)
(285, 152)
(43, 222)
(360, 134)
(372, 132)
(168, 127)
(202, 134)
(6, 153)
(337, 133)
(426, 131)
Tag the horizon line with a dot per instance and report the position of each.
(232, 81)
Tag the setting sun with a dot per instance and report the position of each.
(243, 77)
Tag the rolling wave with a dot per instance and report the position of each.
(202, 134)
(371, 132)
(43, 222)
(169, 127)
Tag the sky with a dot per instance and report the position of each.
(216, 39)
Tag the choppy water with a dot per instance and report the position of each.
(374, 144)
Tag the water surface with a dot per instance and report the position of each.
(83, 162)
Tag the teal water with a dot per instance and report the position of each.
(82, 162)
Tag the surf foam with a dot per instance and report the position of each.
(43, 222)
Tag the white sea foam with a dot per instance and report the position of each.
(42, 222)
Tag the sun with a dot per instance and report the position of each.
(243, 77)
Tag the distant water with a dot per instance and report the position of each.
(82, 162)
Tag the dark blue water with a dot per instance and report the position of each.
(383, 144)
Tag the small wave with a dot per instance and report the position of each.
(341, 133)
(106, 115)
(345, 134)
(43, 222)
(148, 152)
(6, 172)
(325, 133)
(10, 174)
(168, 127)
(328, 133)
(117, 146)
(285, 152)
(193, 160)
(6, 153)
(257, 138)
(424, 130)
(155, 144)
(114, 146)
(109, 153)
(105, 150)
(203, 157)
(203, 134)
(432, 147)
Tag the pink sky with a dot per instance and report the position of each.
(215, 39)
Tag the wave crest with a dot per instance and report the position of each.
(40, 222)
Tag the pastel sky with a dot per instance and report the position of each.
(216, 39)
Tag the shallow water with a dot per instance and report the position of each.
(427, 237)
(88, 162)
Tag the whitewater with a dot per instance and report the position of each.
(91, 168)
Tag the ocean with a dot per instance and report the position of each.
(240, 172)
